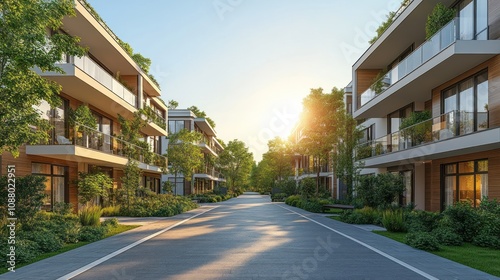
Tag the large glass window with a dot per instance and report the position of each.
(465, 105)
(473, 17)
(56, 186)
(175, 126)
(57, 118)
(465, 181)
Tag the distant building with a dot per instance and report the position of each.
(208, 177)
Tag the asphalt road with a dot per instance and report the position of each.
(250, 238)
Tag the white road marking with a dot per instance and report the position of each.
(402, 263)
(126, 248)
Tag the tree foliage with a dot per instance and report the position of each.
(25, 26)
(184, 154)
(439, 17)
(321, 119)
(236, 164)
(172, 104)
(201, 114)
(380, 190)
(30, 194)
(93, 185)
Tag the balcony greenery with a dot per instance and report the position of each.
(154, 117)
(389, 20)
(440, 16)
(417, 128)
(378, 85)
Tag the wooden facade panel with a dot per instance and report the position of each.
(494, 19)
(494, 91)
(365, 78)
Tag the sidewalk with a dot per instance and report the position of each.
(62, 264)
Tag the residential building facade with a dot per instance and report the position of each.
(208, 177)
(110, 83)
(307, 166)
(430, 108)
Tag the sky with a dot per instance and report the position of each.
(247, 63)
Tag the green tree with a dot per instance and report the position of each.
(236, 164)
(201, 114)
(25, 46)
(280, 158)
(346, 167)
(321, 120)
(92, 186)
(172, 104)
(184, 154)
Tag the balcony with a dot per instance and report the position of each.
(91, 146)
(155, 117)
(450, 134)
(85, 80)
(209, 173)
(439, 59)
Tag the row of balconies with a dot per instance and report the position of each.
(446, 126)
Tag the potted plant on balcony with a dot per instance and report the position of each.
(379, 83)
(83, 121)
(439, 17)
(416, 128)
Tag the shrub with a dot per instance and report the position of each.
(47, 241)
(489, 233)
(90, 216)
(393, 221)
(439, 17)
(288, 186)
(62, 208)
(278, 196)
(380, 190)
(312, 205)
(419, 220)
(366, 215)
(491, 206)
(113, 222)
(422, 241)
(111, 211)
(26, 250)
(464, 219)
(161, 205)
(447, 236)
(92, 233)
(293, 200)
(307, 187)
(66, 227)
(30, 193)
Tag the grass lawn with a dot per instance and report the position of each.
(484, 259)
(69, 247)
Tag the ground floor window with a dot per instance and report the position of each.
(56, 186)
(177, 185)
(464, 181)
(152, 184)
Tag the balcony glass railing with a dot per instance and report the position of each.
(443, 127)
(155, 117)
(95, 71)
(437, 43)
(96, 140)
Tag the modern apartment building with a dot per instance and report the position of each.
(306, 166)
(109, 82)
(434, 115)
(208, 177)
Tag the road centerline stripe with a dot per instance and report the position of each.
(128, 247)
(400, 262)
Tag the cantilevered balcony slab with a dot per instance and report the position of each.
(81, 86)
(461, 145)
(153, 129)
(76, 153)
(454, 60)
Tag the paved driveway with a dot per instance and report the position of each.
(251, 238)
